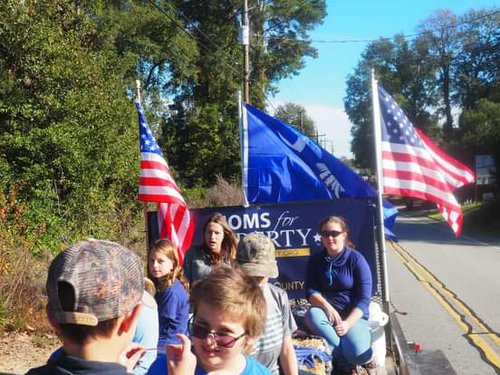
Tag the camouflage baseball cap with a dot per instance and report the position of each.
(93, 281)
(256, 256)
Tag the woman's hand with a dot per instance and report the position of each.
(342, 328)
(180, 359)
(332, 314)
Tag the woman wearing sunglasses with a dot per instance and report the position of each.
(339, 287)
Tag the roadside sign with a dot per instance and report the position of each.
(485, 169)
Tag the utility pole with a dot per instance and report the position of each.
(245, 41)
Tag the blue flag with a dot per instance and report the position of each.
(280, 164)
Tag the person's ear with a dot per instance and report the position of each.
(249, 343)
(51, 320)
(130, 318)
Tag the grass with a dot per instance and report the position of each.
(481, 218)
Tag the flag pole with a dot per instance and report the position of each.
(242, 114)
(380, 214)
(145, 204)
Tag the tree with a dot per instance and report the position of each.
(295, 114)
(64, 134)
(400, 67)
(276, 53)
(279, 41)
(481, 127)
(446, 69)
(68, 131)
(477, 68)
(440, 33)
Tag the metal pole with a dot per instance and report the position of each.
(145, 204)
(380, 214)
(246, 47)
(242, 114)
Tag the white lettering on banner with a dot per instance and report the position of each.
(329, 179)
(286, 237)
(285, 221)
(290, 285)
(249, 221)
(304, 236)
(282, 234)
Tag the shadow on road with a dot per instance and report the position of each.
(418, 227)
(430, 363)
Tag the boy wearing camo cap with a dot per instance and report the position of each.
(94, 291)
(256, 257)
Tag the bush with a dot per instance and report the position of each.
(483, 218)
(21, 273)
(224, 193)
(32, 233)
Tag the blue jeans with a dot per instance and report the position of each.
(352, 349)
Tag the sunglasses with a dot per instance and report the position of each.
(330, 233)
(222, 339)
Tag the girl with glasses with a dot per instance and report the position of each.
(339, 287)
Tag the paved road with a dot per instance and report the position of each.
(446, 293)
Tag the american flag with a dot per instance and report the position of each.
(156, 184)
(415, 167)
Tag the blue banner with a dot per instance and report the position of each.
(293, 227)
(280, 164)
(283, 165)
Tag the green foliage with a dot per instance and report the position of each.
(481, 127)
(206, 109)
(400, 70)
(296, 115)
(449, 67)
(68, 144)
(477, 68)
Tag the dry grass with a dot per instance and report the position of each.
(21, 274)
(224, 193)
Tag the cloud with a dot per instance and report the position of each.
(334, 126)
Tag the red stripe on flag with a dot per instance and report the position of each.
(407, 158)
(457, 170)
(416, 177)
(156, 184)
(160, 166)
(155, 181)
(158, 198)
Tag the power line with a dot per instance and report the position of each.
(407, 36)
(238, 73)
(202, 45)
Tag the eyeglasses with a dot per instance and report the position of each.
(222, 339)
(330, 233)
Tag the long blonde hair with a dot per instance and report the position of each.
(167, 248)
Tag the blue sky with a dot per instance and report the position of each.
(320, 87)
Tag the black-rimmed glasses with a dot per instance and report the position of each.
(330, 233)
